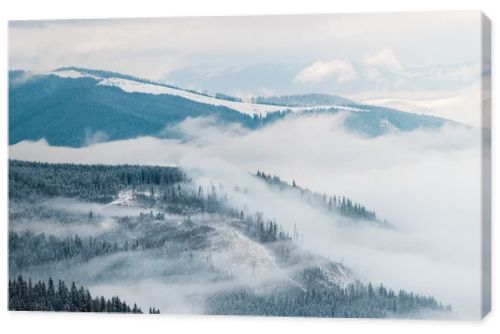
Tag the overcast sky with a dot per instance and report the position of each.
(262, 55)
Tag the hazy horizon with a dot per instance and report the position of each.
(414, 67)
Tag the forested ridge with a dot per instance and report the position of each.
(341, 205)
(353, 301)
(69, 111)
(99, 183)
(304, 100)
(173, 220)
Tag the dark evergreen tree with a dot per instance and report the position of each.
(24, 296)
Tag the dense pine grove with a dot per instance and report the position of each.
(25, 296)
(27, 248)
(354, 301)
(98, 183)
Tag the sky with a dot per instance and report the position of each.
(341, 54)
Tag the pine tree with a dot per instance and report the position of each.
(39, 297)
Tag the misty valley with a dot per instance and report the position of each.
(129, 238)
(285, 166)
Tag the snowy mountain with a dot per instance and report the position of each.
(76, 107)
(134, 85)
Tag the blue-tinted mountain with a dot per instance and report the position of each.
(72, 107)
(67, 111)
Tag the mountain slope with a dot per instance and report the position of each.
(333, 204)
(68, 112)
(76, 107)
(176, 246)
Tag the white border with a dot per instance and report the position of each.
(97, 323)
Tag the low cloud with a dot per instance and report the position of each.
(92, 138)
(319, 71)
(458, 105)
(416, 180)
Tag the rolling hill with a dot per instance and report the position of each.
(76, 107)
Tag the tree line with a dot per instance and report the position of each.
(26, 296)
(164, 188)
(353, 301)
(98, 183)
(339, 204)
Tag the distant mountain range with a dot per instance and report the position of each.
(75, 107)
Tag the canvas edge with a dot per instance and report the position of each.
(485, 165)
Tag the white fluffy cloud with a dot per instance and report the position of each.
(320, 70)
(385, 59)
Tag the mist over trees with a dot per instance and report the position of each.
(182, 222)
(337, 204)
(27, 249)
(353, 301)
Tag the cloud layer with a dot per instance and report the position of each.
(427, 183)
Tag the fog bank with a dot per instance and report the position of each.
(426, 183)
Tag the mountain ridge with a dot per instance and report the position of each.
(74, 107)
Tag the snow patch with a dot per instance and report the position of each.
(388, 126)
(71, 74)
(237, 255)
(148, 88)
(337, 274)
(132, 86)
(124, 198)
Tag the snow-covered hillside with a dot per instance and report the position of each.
(78, 107)
(133, 86)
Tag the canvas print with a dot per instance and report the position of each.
(330, 166)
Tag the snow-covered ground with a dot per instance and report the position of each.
(237, 255)
(72, 74)
(125, 198)
(252, 263)
(132, 86)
